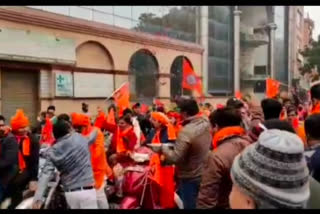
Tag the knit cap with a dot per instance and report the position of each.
(273, 171)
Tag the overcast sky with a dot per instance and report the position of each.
(314, 14)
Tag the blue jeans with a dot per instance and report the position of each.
(188, 192)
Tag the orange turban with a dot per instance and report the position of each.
(161, 117)
(80, 119)
(19, 120)
(164, 120)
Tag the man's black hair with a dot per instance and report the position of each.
(312, 126)
(292, 108)
(284, 100)
(234, 103)
(279, 124)
(225, 117)
(2, 118)
(61, 128)
(315, 92)
(271, 108)
(127, 111)
(64, 117)
(85, 107)
(126, 118)
(207, 105)
(52, 107)
(160, 109)
(137, 105)
(188, 105)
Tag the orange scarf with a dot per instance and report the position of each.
(25, 152)
(315, 109)
(164, 120)
(120, 144)
(225, 133)
(164, 176)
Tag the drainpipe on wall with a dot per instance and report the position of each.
(272, 27)
(236, 58)
(204, 42)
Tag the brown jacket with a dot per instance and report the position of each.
(191, 148)
(216, 183)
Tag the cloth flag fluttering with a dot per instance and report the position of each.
(47, 133)
(190, 80)
(272, 88)
(122, 97)
(111, 117)
(238, 95)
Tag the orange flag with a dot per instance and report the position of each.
(111, 118)
(122, 97)
(47, 133)
(190, 80)
(238, 95)
(272, 88)
(144, 108)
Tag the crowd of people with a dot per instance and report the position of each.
(240, 155)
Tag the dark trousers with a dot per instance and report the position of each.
(16, 188)
(188, 192)
(2, 193)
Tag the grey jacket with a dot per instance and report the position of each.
(71, 156)
(191, 148)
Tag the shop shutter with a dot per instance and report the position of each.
(19, 90)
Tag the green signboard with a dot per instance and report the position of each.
(64, 84)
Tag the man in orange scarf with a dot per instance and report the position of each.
(228, 141)
(315, 109)
(101, 169)
(8, 157)
(175, 119)
(123, 140)
(315, 98)
(163, 132)
(28, 159)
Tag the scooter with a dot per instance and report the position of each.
(138, 189)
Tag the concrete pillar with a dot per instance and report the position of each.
(291, 38)
(236, 59)
(198, 8)
(204, 41)
(272, 27)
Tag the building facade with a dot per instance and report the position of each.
(54, 58)
(74, 54)
(296, 31)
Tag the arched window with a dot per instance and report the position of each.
(94, 55)
(143, 69)
(176, 77)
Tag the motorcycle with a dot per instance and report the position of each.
(54, 195)
(135, 190)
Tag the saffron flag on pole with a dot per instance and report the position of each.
(238, 95)
(47, 133)
(190, 80)
(272, 88)
(111, 118)
(122, 97)
(100, 119)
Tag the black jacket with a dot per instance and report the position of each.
(8, 158)
(32, 161)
